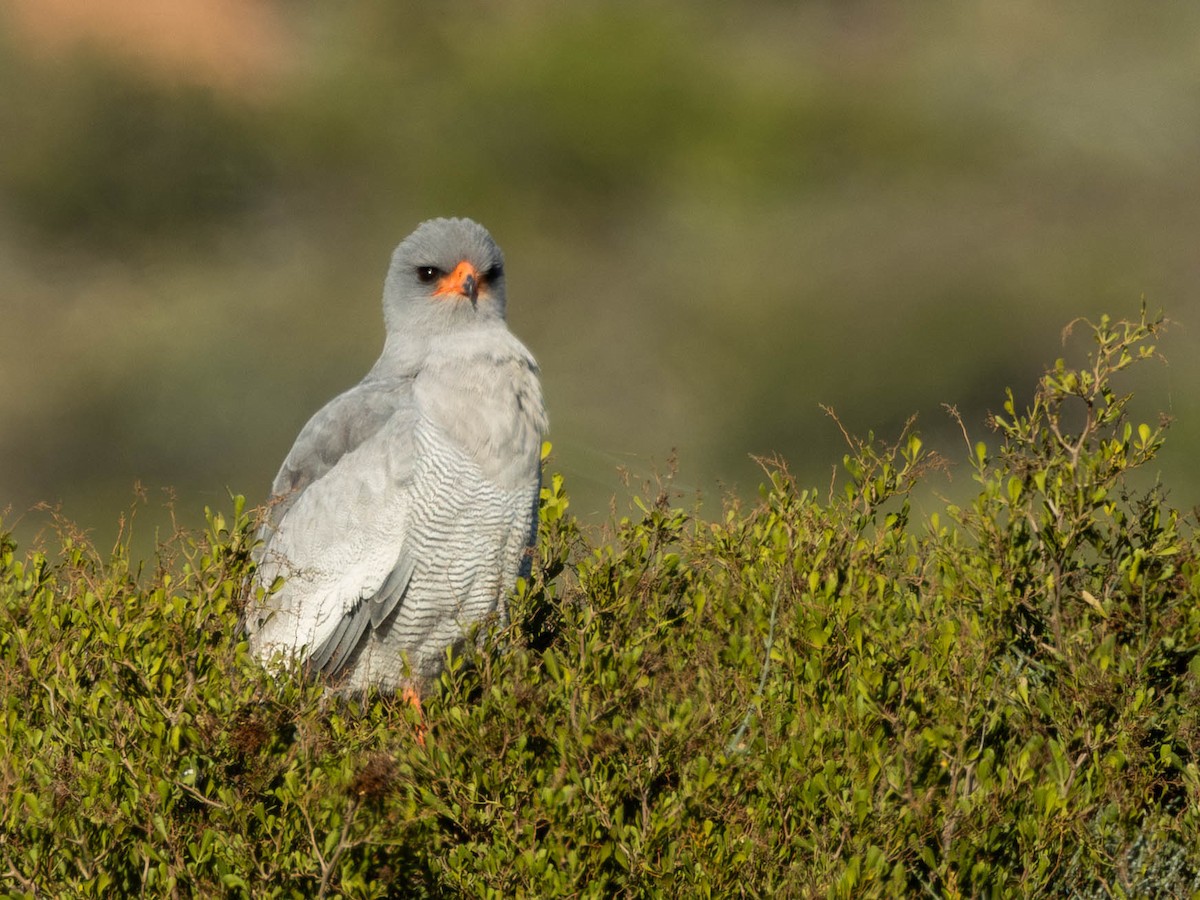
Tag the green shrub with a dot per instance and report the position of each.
(806, 697)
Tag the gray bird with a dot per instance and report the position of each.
(407, 506)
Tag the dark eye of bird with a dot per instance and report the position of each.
(494, 272)
(426, 274)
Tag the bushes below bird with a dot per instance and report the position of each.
(808, 696)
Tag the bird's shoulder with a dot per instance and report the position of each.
(341, 426)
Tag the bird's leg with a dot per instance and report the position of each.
(410, 696)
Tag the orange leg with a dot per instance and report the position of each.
(411, 697)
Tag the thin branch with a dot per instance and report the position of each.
(735, 742)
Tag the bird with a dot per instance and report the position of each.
(407, 507)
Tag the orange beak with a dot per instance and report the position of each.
(464, 280)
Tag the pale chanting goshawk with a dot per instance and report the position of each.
(408, 505)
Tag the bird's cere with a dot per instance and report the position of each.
(463, 281)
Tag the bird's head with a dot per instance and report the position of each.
(447, 273)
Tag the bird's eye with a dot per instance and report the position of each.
(426, 274)
(496, 271)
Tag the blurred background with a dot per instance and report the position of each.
(716, 217)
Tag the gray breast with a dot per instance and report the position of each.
(467, 537)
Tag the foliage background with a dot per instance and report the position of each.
(716, 217)
(805, 697)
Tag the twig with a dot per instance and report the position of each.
(735, 741)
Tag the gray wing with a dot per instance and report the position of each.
(340, 426)
(331, 655)
(345, 478)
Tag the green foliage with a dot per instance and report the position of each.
(805, 697)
